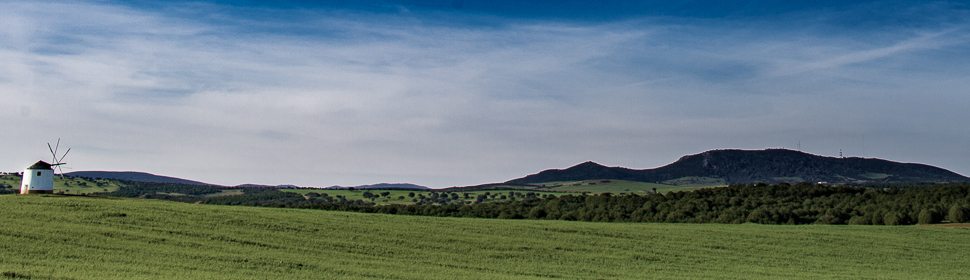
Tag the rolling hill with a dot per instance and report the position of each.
(388, 186)
(752, 166)
(133, 176)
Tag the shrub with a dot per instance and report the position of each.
(959, 213)
(893, 219)
(859, 220)
(927, 216)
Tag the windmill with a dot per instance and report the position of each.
(39, 177)
(57, 162)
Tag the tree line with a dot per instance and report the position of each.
(803, 203)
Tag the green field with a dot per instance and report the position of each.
(75, 237)
(403, 196)
(551, 188)
(77, 185)
(614, 186)
(69, 185)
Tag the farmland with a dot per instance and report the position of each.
(61, 237)
(503, 192)
(70, 185)
(618, 186)
(408, 196)
(80, 185)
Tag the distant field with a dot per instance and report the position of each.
(67, 184)
(74, 237)
(550, 188)
(403, 197)
(614, 186)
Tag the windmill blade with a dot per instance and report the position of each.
(58, 145)
(62, 171)
(52, 152)
(64, 155)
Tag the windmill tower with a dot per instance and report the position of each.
(39, 177)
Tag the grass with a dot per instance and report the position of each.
(75, 237)
(694, 181)
(875, 176)
(393, 197)
(615, 186)
(69, 185)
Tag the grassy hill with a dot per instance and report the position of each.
(75, 237)
(404, 196)
(613, 186)
(69, 185)
(722, 167)
(594, 186)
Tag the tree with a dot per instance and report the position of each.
(893, 219)
(928, 217)
(385, 194)
(411, 194)
(959, 214)
(537, 213)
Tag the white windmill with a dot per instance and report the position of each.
(39, 177)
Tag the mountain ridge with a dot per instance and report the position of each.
(734, 166)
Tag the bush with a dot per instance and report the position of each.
(859, 220)
(959, 214)
(893, 219)
(928, 217)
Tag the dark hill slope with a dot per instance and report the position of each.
(133, 176)
(751, 166)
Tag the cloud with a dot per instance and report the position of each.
(320, 97)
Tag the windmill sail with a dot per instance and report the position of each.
(58, 162)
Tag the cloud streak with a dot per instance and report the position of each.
(318, 97)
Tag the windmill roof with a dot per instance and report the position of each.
(40, 164)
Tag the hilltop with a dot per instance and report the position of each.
(752, 166)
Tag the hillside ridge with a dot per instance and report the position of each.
(734, 166)
(133, 176)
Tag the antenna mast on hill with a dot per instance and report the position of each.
(57, 162)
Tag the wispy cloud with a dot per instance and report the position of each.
(933, 40)
(321, 96)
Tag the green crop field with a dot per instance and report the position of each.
(77, 237)
(69, 185)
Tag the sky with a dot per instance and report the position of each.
(465, 92)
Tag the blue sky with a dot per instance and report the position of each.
(444, 93)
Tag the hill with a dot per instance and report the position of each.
(582, 186)
(386, 186)
(752, 166)
(76, 237)
(132, 176)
